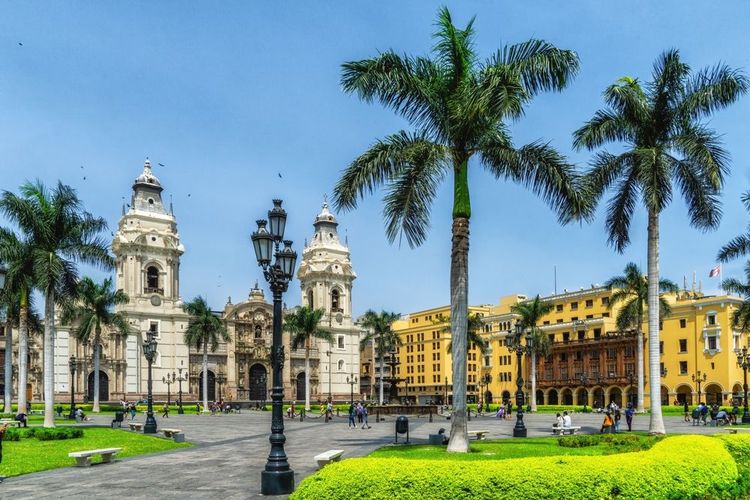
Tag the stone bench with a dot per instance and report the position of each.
(478, 434)
(327, 457)
(135, 426)
(83, 458)
(36, 412)
(11, 422)
(560, 431)
(177, 434)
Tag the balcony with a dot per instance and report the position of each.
(150, 289)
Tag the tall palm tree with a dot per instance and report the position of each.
(17, 254)
(740, 245)
(459, 108)
(379, 330)
(61, 234)
(741, 319)
(666, 144)
(91, 311)
(631, 291)
(530, 313)
(204, 330)
(304, 325)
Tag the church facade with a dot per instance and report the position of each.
(147, 250)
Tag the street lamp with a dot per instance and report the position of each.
(584, 383)
(743, 361)
(514, 345)
(278, 477)
(168, 381)
(351, 383)
(149, 350)
(328, 353)
(72, 366)
(698, 380)
(180, 380)
(446, 391)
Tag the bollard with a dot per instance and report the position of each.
(377, 416)
(302, 415)
(430, 415)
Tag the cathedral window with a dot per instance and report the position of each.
(340, 341)
(341, 365)
(152, 280)
(335, 300)
(310, 299)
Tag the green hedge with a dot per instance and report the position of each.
(42, 433)
(676, 467)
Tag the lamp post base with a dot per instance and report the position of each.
(277, 482)
(72, 415)
(519, 433)
(150, 425)
(746, 418)
(180, 411)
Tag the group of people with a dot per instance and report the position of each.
(702, 412)
(358, 415)
(613, 416)
(129, 408)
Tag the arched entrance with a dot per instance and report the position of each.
(258, 383)
(552, 397)
(103, 386)
(539, 397)
(664, 395)
(615, 394)
(567, 397)
(714, 394)
(487, 397)
(598, 397)
(738, 393)
(583, 397)
(301, 386)
(506, 396)
(684, 394)
(211, 386)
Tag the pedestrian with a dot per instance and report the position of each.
(618, 416)
(352, 413)
(365, 424)
(686, 409)
(359, 412)
(197, 408)
(165, 411)
(607, 424)
(558, 422)
(132, 411)
(629, 416)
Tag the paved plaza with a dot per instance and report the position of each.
(231, 450)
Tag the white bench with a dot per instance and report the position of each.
(135, 426)
(560, 431)
(329, 456)
(83, 458)
(36, 412)
(170, 432)
(478, 434)
(11, 422)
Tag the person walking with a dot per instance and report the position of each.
(617, 418)
(607, 423)
(165, 411)
(686, 409)
(359, 412)
(365, 424)
(629, 416)
(352, 414)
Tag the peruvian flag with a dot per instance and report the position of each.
(715, 272)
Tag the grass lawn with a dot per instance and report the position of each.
(32, 455)
(512, 448)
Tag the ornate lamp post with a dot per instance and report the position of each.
(698, 380)
(168, 381)
(72, 366)
(149, 350)
(584, 383)
(351, 383)
(743, 361)
(278, 477)
(180, 380)
(514, 345)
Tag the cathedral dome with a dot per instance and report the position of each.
(147, 177)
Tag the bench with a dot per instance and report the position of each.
(735, 430)
(329, 456)
(83, 458)
(478, 434)
(171, 432)
(11, 422)
(560, 431)
(135, 426)
(36, 412)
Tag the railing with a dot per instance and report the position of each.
(150, 289)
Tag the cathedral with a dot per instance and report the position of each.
(147, 249)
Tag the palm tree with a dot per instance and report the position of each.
(459, 108)
(741, 319)
(740, 245)
(304, 325)
(204, 329)
(17, 253)
(386, 340)
(61, 234)
(473, 334)
(531, 312)
(91, 311)
(631, 290)
(666, 143)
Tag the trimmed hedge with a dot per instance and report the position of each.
(43, 433)
(670, 469)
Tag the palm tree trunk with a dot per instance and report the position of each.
(23, 350)
(49, 358)
(382, 362)
(459, 279)
(97, 349)
(307, 376)
(532, 396)
(8, 396)
(205, 376)
(640, 406)
(656, 424)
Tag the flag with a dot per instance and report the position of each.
(714, 272)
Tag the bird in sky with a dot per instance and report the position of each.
(20, 44)
(161, 164)
(280, 176)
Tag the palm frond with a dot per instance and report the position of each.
(454, 47)
(542, 66)
(606, 126)
(737, 247)
(710, 90)
(701, 196)
(620, 211)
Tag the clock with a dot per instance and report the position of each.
(155, 300)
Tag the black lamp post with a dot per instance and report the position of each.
(149, 350)
(584, 383)
(698, 380)
(446, 391)
(515, 345)
(352, 382)
(180, 380)
(72, 366)
(278, 477)
(743, 361)
(168, 381)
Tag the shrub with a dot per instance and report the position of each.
(12, 434)
(52, 433)
(579, 441)
(668, 470)
(738, 446)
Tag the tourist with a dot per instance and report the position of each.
(617, 417)
(165, 411)
(567, 422)
(197, 408)
(558, 422)
(629, 416)
(359, 412)
(133, 411)
(735, 412)
(686, 409)
(501, 412)
(607, 424)
(365, 424)
(21, 417)
(352, 413)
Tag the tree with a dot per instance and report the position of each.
(304, 325)
(530, 313)
(17, 254)
(61, 234)
(386, 340)
(741, 319)
(204, 329)
(91, 311)
(473, 335)
(459, 108)
(666, 143)
(740, 245)
(631, 291)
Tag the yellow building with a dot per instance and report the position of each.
(590, 362)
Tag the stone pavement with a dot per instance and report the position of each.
(231, 451)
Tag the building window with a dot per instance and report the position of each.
(683, 323)
(605, 315)
(559, 308)
(341, 365)
(566, 337)
(560, 320)
(152, 280)
(711, 342)
(335, 300)
(574, 306)
(590, 303)
(574, 318)
(341, 341)
(597, 333)
(153, 327)
(683, 345)
(546, 323)
(605, 301)
(581, 335)
(661, 347)
(683, 368)
(551, 338)
(711, 320)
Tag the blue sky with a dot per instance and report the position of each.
(228, 95)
